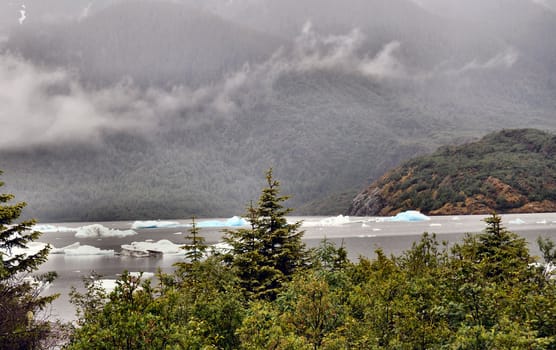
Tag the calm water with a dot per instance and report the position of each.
(361, 237)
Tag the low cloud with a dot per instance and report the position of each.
(42, 106)
(310, 52)
(39, 106)
(503, 60)
(313, 51)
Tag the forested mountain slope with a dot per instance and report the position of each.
(128, 109)
(511, 171)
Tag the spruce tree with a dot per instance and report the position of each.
(188, 271)
(268, 253)
(20, 327)
(196, 248)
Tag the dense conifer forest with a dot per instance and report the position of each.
(267, 291)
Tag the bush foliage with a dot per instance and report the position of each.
(484, 292)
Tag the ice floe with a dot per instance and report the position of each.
(107, 284)
(409, 216)
(97, 230)
(330, 221)
(82, 250)
(234, 221)
(517, 221)
(144, 249)
(221, 248)
(31, 249)
(110, 284)
(143, 275)
(62, 250)
(44, 228)
(155, 224)
(76, 249)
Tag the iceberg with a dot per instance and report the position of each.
(144, 249)
(62, 250)
(221, 248)
(97, 230)
(51, 228)
(330, 221)
(86, 250)
(110, 284)
(130, 250)
(409, 216)
(107, 285)
(234, 221)
(155, 224)
(517, 221)
(31, 249)
(143, 275)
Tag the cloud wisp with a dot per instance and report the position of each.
(41, 106)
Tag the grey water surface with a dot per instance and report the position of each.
(360, 235)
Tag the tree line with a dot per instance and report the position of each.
(268, 291)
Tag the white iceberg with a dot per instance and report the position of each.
(330, 221)
(409, 216)
(31, 249)
(517, 221)
(46, 228)
(97, 230)
(107, 284)
(87, 250)
(140, 249)
(143, 275)
(62, 250)
(221, 248)
(130, 250)
(110, 284)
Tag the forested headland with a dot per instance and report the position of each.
(508, 171)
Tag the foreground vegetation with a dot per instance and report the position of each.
(269, 292)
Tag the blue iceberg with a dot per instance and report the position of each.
(409, 216)
(235, 221)
(154, 224)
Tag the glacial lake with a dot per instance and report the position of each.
(360, 235)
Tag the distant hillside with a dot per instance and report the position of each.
(511, 171)
(123, 109)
